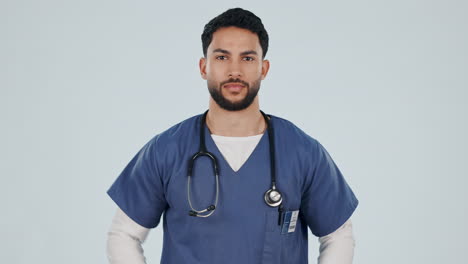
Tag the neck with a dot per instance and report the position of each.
(243, 123)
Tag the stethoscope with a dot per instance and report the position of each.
(273, 196)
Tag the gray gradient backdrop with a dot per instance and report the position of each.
(382, 84)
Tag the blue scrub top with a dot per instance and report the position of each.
(243, 229)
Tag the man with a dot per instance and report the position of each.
(254, 201)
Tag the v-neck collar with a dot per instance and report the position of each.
(212, 147)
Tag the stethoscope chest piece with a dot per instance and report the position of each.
(273, 197)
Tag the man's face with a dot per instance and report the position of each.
(234, 67)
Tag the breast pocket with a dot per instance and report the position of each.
(283, 248)
(294, 244)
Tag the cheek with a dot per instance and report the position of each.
(254, 71)
(214, 72)
(255, 67)
(214, 66)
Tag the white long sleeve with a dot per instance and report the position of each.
(338, 247)
(124, 240)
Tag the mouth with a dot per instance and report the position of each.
(234, 87)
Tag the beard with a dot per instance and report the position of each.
(217, 94)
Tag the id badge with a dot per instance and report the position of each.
(289, 222)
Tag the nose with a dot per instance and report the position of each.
(235, 74)
(234, 70)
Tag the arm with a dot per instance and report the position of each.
(139, 194)
(124, 240)
(337, 247)
(327, 205)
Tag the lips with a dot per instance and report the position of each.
(234, 86)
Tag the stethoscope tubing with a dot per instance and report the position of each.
(273, 197)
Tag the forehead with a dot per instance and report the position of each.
(234, 39)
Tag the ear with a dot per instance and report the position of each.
(265, 68)
(202, 66)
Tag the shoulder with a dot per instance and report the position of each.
(289, 132)
(175, 134)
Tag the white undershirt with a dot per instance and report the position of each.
(236, 150)
(125, 237)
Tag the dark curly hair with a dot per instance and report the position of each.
(236, 17)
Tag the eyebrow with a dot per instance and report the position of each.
(247, 52)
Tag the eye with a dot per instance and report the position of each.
(221, 57)
(248, 58)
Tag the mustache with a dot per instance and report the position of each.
(235, 81)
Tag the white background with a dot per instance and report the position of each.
(381, 84)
